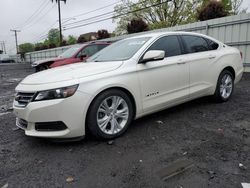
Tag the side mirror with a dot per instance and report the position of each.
(83, 56)
(153, 55)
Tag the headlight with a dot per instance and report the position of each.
(56, 93)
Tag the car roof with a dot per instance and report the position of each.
(156, 34)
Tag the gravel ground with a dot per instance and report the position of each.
(214, 137)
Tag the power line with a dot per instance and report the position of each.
(90, 18)
(116, 16)
(40, 18)
(104, 14)
(45, 31)
(101, 8)
(35, 14)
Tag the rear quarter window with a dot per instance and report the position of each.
(212, 45)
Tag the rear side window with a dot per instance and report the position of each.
(212, 45)
(195, 44)
(169, 44)
(101, 46)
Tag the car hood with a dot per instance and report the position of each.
(70, 72)
(47, 60)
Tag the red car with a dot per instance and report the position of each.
(75, 54)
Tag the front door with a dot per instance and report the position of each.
(164, 82)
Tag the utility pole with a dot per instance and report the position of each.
(3, 46)
(15, 31)
(60, 21)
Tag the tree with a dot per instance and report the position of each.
(38, 46)
(64, 43)
(52, 45)
(102, 34)
(81, 39)
(136, 26)
(26, 47)
(159, 14)
(236, 7)
(232, 7)
(71, 40)
(54, 37)
(211, 10)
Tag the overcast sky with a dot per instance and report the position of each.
(16, 14)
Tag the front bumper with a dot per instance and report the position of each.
(71, 111)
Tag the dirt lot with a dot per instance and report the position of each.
(214, 137)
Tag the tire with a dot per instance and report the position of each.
(103, 113)
(41, 68)
(224, 88)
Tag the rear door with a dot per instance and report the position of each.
(164, 82)
(201, 54)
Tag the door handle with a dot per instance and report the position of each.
(181, 63)
(211, 57)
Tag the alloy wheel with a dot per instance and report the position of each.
(112, 115)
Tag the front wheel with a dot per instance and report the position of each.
(110, 114)
(42, 68)
(225, 86)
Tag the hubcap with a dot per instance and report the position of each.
(226, 86)
(112, 115)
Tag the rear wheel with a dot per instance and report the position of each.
(225, 86)
(110, 114)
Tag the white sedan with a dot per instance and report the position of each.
(127, 80)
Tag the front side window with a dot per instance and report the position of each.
(169, 44)
(195, 44)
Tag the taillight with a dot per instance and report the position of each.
(241, 55)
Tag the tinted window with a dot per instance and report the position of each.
(195, 44)
(100, 47)
(169, 44)
(212, 45)
(89, 50)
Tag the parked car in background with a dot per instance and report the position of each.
(5, 58)
(75, 54)
(127, 80)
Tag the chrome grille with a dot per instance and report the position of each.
(22, 99)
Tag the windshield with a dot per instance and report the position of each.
(70, 52)
(119, 51)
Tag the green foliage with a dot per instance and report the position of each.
(103, 34)
(38, 46)
(54, 37)
(26, 47)
(167, 14)
(81, 39)
(213, 9)
(136, 26)
(230, 7)
(71, 40)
